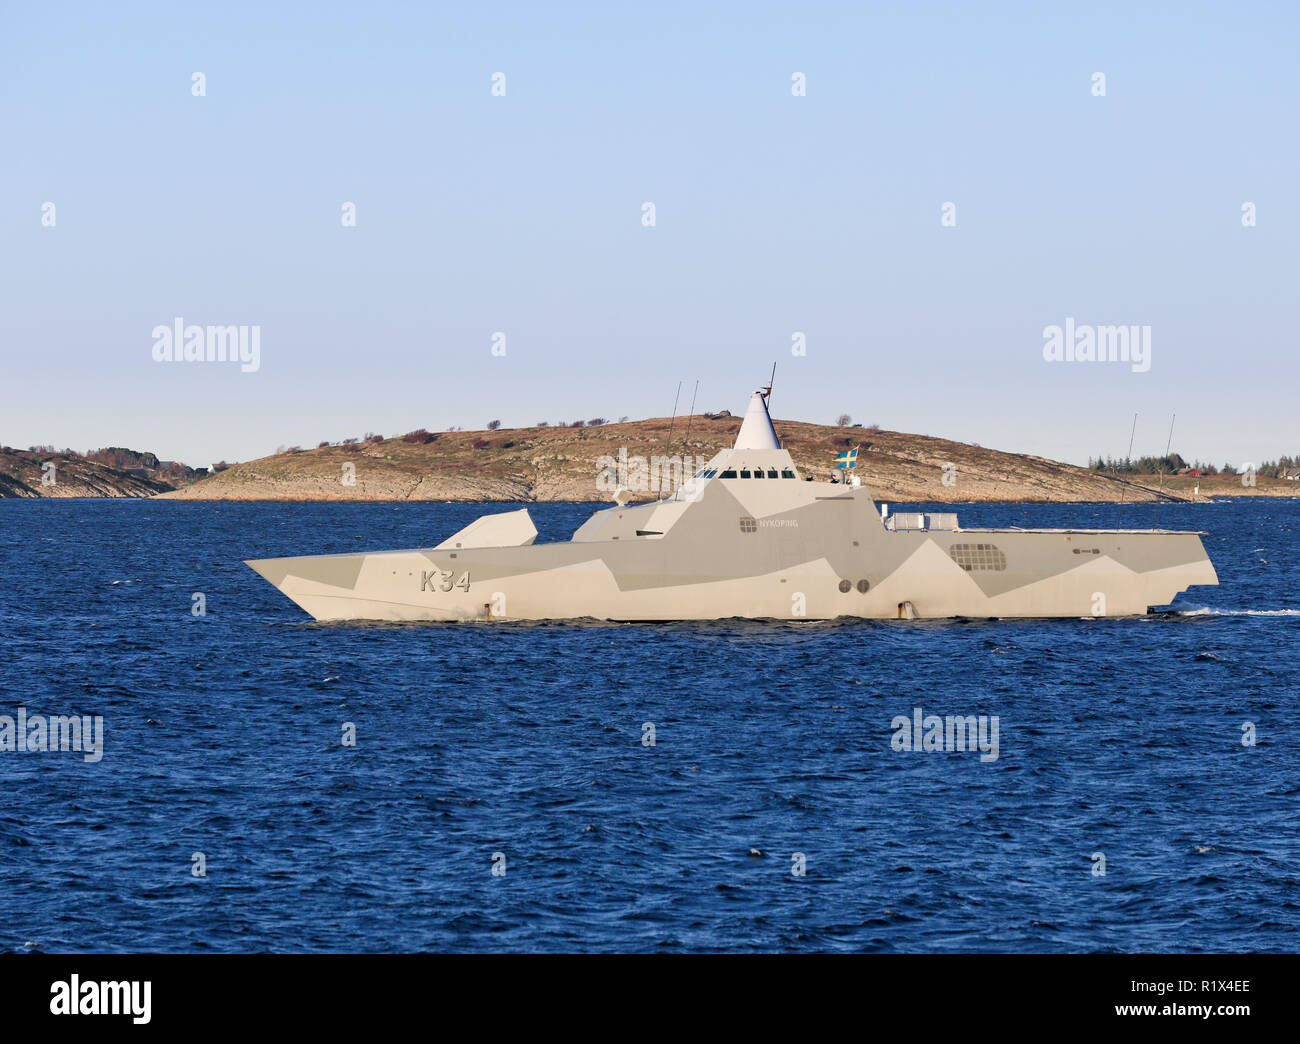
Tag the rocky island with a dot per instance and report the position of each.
(587, 462)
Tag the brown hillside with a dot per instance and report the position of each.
(21, 472)
(559, 464)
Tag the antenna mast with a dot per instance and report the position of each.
(674, 419)
(669, 441)
(1124, 489)
(767, 398)
(1155, 518)
(690, 417)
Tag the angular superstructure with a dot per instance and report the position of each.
(747, 536)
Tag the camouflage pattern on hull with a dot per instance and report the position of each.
(729, 544)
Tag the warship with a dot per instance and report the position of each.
(748, 536)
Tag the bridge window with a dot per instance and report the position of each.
(729, 474)
(787, 473)
(744, 473)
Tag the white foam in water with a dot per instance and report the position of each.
(1239, 612)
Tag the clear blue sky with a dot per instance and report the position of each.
(774, 214)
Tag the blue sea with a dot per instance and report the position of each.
(520, 748)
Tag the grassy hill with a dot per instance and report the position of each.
(559, 463)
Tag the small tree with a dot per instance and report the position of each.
(493, 425)
(843, 420)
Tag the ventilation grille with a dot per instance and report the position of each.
(978, 558)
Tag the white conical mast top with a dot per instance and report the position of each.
(756, 431)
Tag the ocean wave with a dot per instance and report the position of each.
(1205, 611)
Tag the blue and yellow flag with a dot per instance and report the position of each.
(847, 459)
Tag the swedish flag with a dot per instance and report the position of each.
(847, 459)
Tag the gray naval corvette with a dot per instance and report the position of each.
(747, 536)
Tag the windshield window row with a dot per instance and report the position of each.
(758, 473)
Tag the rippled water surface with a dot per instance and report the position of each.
(222, 736)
